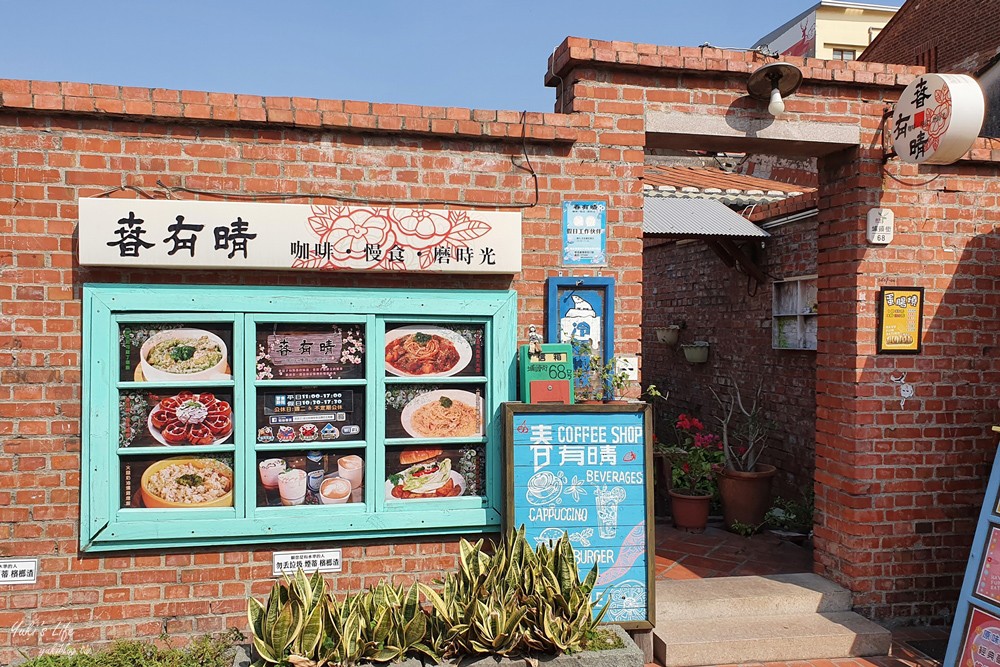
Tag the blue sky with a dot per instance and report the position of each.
(478, 54)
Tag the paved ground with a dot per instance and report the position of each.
(718, 553)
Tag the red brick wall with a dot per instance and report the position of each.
(951, 32)
(688, 283)
(883, 473)
(899, 487)
(51, 155)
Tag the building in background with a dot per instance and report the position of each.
(829, 29)
(958, 37)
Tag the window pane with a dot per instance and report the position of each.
(428, 472)
(310, 477)
(177, 482)
(425, 350)
(310, 414)
(434, 411)
(175, 352)
(172, 418)
(310, 351)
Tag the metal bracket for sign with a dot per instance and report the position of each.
(565, 496)
(977, 617)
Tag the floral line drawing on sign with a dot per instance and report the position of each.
(391, 239)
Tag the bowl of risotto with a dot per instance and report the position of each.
(183, 354)
(187, 482)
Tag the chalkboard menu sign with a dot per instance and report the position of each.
(582, 471)
(975, 632)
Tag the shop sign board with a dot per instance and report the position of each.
(585, 233)
(287, 562)
(937, 118)
(988, 585)
(174, 234)
(900, 320)
(18, 571)
(583, 472)
(975, 631)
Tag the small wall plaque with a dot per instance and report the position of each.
(881, 225)
(18, 570)
(287, 562)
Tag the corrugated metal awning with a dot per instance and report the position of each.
(695, 218)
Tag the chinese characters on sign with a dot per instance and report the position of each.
(18, 571)
(881, 226)
(584, 474)
(988, 585)
(287, 562)
(937, 118)
(585, 226)
(900, 319)
(227, 235)
(982, 641)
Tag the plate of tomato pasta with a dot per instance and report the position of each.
(425, 351)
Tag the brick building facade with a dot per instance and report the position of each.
(687, 282)
(897, 489)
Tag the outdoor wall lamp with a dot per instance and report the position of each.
(772, 83)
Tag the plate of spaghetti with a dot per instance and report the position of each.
(444, 413)
(425, 351)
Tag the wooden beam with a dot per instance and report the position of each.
(717, 248)
(743, 260)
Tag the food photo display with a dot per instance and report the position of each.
(175, 418)
(177, 482)
(434, 411)
(175, 353)
(426, 350)
(310, 414)
(310, 478)
(427, 473)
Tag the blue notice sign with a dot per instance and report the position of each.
(585, 233)
(582, 471)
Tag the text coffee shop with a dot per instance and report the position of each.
(308, 420)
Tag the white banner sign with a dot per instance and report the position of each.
(937, 118)
(174, 234)
(288, 562)
(18, 571)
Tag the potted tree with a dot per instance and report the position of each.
(694, 459)
(744, 482)
(597, 380)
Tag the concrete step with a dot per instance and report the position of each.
(748, 596)
(759, 638)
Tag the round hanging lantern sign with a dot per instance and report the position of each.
(937, 118)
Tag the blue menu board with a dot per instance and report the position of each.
(581, 470)
(975, 632)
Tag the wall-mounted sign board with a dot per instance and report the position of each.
(900, 320)
(975, 632)
(18, 571)
(585, 233)
(583, 471)
(176, 234)
(287, 562)
(937, 118)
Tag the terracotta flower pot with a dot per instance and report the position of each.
(746, 496)
(690, 512)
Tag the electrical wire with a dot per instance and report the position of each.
(282, 196)
(122, 188)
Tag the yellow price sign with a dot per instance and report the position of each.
(900, 320)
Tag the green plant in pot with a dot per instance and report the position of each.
(744, 482)
(695, 458)
(594, 378)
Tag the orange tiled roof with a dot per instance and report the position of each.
(699, 182)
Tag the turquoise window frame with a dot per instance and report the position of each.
(104, 526)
